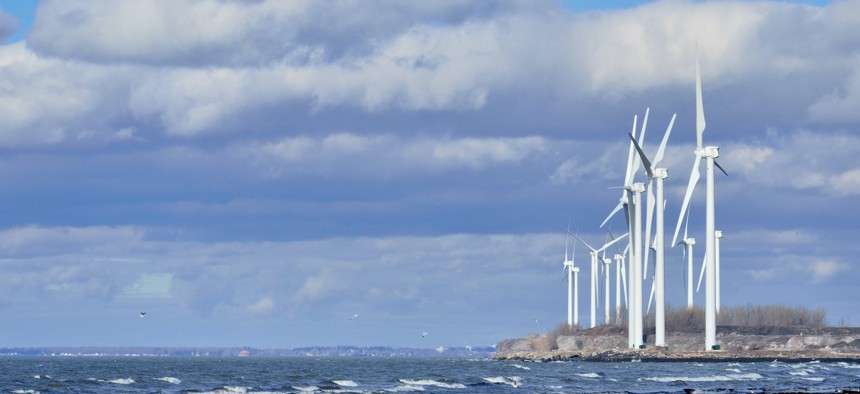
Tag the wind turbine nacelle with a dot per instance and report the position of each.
(711, 151)
(718, 234)
(637, 188)
(574, 269)
(568, 263)
(661, 173)
(690, 241)
(607, 261)
(619, 257)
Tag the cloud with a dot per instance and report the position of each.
(822, 270)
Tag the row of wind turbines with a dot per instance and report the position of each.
(638, 251)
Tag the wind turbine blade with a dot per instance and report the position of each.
(700, 111)
(628, 176)
(642, 157)
(721, 168)
(702, 274)
(686, 223)
(684, 275)
(610, 243)
(650, 298)
(658, 157)
(641, 140)
(617, 208)
(694, 178)
(583, 242)
(651, 202)
(624, 279)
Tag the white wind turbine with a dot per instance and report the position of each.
(620, 279)
(572, 286)
(632, 195)
(655, 172)
(594, 260)
(709, 153)
(688, 256)
(717, 235)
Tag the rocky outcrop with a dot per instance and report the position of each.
(741, 344)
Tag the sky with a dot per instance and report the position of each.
(282, 174)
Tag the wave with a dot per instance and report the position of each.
(117, 381)
(847, 365)
(589, 375)
(713, 378)
(25, 392)
(306, 389)
(513, 381)
(170, 380)
(523, 367)
(814, 379)
(434, 383)
(803, 372)
(404, 388)
(345, 383)
(735, 370)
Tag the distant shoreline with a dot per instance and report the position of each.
(309, 351)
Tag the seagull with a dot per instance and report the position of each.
(355, 316)
(424, 334)
(142, 314)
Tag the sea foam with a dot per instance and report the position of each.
(345, 383)
(513, 381)
(434, 383)
(713, 378)
(170, 380)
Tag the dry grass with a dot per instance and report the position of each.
(756, 317)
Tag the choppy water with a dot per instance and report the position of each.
(375, 375)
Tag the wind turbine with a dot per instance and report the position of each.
(688, 255)
(632, 195)
(620, 276)
(709, 153)
(655, 172)
(594, 252)
(572, 286)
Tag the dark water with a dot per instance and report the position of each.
(430, 375)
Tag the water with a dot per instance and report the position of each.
(429, 375)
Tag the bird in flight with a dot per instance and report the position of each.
(424, 334)
(142, 314)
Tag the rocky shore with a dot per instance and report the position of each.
(736, 344)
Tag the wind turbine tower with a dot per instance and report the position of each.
(717, 235)
(657, 174)
(594, 261)
(709, 153)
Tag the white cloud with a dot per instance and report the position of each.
(846, 183)
(262, 306)
(822, 270)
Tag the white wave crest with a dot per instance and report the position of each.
(306, 389)
(232, 389)
(846, 365)
(736, 370)
(589, 375)
(714, 378)
(118, 381)
(404, 388)
(170, 380)
(434, 383)
(814, 379)
(523, 367)
(25, 392)
(803, 372)
(513, 381)
(345, 383)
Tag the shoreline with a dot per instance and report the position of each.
(609, 344)
(661, 355)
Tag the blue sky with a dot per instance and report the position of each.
(257, 173)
